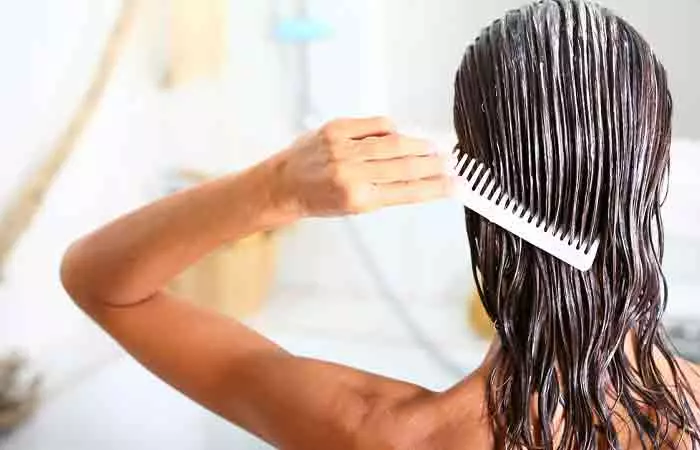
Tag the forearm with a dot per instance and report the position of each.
(130, 259)
(348, 166)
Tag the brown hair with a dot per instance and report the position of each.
(569, 107)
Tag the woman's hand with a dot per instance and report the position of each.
(357, 165)
(348, 166)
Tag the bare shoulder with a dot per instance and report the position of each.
(429, 420)
(361, 410)
(370, 407)
(692, 374)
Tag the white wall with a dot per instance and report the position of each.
(425, 40)
(252, 109)
(346, 70)
(671, 28)
(48, 51)
(54, 49)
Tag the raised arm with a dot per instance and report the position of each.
(117, 273)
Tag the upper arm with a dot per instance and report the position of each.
(289, 401)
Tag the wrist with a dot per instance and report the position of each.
(281, 199)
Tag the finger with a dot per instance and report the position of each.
(393, 146)
(409, 168)
(358, 128)
(416, 191)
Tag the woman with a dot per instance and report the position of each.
(569, 107)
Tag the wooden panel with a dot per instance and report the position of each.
(197, 40)
(478, 320)
(234, 280)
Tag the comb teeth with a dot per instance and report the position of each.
(479, 191)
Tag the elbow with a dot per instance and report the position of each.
(92, 283)
(70, 270)
(77, 275)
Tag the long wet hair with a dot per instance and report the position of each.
(569, 107)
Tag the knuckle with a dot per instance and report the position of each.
(333, 150)
(333, 147)
(356, 199)
(329, 132)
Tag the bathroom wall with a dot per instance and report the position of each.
(142, 131)
(425, 41)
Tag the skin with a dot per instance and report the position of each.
(117, 275)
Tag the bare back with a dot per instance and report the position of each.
(458, 419)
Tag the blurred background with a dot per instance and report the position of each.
(108, 105)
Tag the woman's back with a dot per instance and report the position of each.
(459, 419)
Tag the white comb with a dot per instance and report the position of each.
(478, 190)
